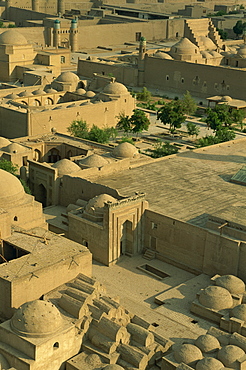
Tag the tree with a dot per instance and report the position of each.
(188, 104)
(192, 129)
(162, 149)
(239, 28)
(223, 34)
(144, 95)
(171, 114)
(79, 128)
(139, 121)
(238, 116)
(124, 122)
(218, 117)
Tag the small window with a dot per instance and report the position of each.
(153, 225)
(177, 34)
(15, 218)
(236, 63)
(167, 77)
(56, 345)
(63, 59)
(182, 80)
(227, 62)
(228, 87)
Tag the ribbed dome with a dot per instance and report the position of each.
(96, 204)
(25, 93)
(115, 88)
(65, 167)
(68, 77)
(187, 353)
(162, 55)
(230, 282)
(37, 319)
(229, 354)
(209, 363)
(4, 142)
(207, 343)
(81, 91)
(12, 37)
(11, 189)
(93, 160)
(12, 96)
(90, 94)
(184, 46)
(216, 298)
(239, 312)
(38, 92)
(125, 150)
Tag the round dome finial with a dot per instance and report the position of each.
(37, 319)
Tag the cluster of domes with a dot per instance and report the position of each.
(229, 354)
(37, 319)
(187, 353)
(219, 297)
(125, 150)
(65, 167)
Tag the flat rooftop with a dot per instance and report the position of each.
(187, 186)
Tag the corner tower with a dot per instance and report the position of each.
(74, 35)
(57, 33)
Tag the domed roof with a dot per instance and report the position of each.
(239, 312)
(215, 53)
(162, 55)
(230, 282)
(184, 46)
(226, 98)
(209, 363)
(187, 353)
(96, 204)
(37, 319)
(65, 167)
(25, 93)
(81, 91)
(208, 43)
(14, 148)
(68, 77)
(229, 354)
(125, 150)
(38, 92)
(11, 189)
(113, 367)
(4, 141)
(207, 343)
(12, 37)
(93, 360)
(93, 160)
(242, 51)
(90, 94)
(216, 298)
(12, 96)
(51, 91)
(115, 88)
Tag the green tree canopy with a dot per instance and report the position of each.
(239, 28)
(162, 149)
(218, 117)
(188, 104)
(124, 123)
(171, 114)
(79, 128)
(144, 95)
(192, 129)
(139, 121)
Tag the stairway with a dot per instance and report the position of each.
(149, 254)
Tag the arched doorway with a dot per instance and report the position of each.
(41, 195)
(37, 155)
(53, 155)
(126, 241)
